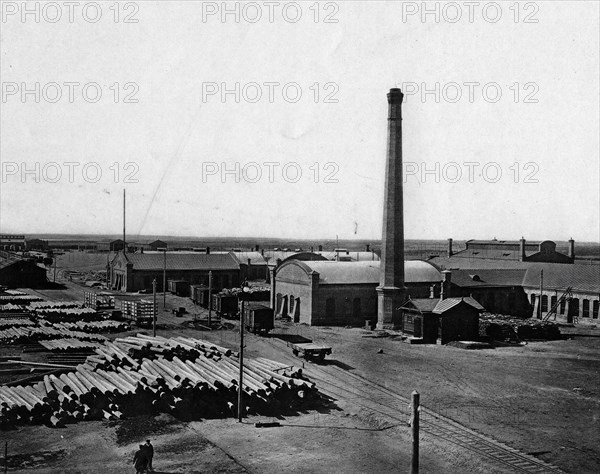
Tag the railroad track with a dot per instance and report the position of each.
(381, 401)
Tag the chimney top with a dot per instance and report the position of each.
(395, 96)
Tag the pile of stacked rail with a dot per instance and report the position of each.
(189, 378)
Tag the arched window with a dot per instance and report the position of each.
(330, 308)
(356, 308)
(585, 310)
(574, 309)
(553, 301)
(544, 303)
(595, 305)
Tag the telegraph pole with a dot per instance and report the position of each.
(241, 361)
(414, 468)
(209, 297)
(154, 308)
(541, 291)
(164, 278)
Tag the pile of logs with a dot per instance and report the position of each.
(69, 345)
(15, 322)
(95, 326)
(18, 335)
(11, 308)
(503, 327)
(188, 378)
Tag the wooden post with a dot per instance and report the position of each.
(415, 433)
(241, 361)
(5, 457)
(154, 308)
(164, 278)
(541, 292)
(54, 269)
(209, 298)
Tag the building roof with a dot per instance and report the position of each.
(256, 258)
(449, 303)
(424, 305)
(190, 261)
(582, 277)
(340, 273)
(350, 256)
(271, 256)
(488, 277)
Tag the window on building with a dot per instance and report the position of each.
(563, 305)
(544, 303)
(585, 310)
(553, 301)
(532, 296)
(595, 305)
(330, 308)
(356, 308)
(292, 301)
(574, 309)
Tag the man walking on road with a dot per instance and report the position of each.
(149, 454)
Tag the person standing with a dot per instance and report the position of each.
(140, 460)
(149, 454)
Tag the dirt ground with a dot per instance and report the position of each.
(541, 398)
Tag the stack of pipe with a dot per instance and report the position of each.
(68, 344)
(16, 335)
(15, 322)
(188, 378)
(95, 326)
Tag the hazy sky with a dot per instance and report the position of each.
(97, 98)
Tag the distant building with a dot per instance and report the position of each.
(157, 245)
(443, 320)
(322, 293)
(17, 272)
(36, 244)
(116, 245)
(135, 271)
(513, 251)
(12, 243)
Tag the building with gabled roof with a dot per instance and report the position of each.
(441, 320)
(136, 271)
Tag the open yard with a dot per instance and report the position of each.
(542, 398)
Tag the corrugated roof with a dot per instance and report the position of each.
(488, 277)
(583, 278)
(449, 303)
(197, 261)
(336, 273)
(425, 305)
(256, 258)
(351, 256)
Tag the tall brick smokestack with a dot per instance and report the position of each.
(572, 249)
(391, 291)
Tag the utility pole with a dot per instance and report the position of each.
(414, 468)
(55, 269)
(164, 278)
(209, 298)
(124, 244)
(154, 308)
(241, 361)
(541, 292)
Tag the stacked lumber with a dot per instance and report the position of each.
(69, 344)
(15, 322)
(505, 327)
(11, 308)
(95, 326)
(53, 305)
(18, 335)
(188, 378)
(20, 299)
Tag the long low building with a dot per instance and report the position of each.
(323, 293)
(136, 271)
(16, 272)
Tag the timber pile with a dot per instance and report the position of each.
(188, 378)
(503, 327)
(21, 299)
(67, 314)
(19, 335)
(53, 305)
(69, 345)
(15, 322)
(95, 326)
(253, 293)
(11, 308)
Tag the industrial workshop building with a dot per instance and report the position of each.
(135, 271)
(17, 272)
(509, 282)
(323, 293)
